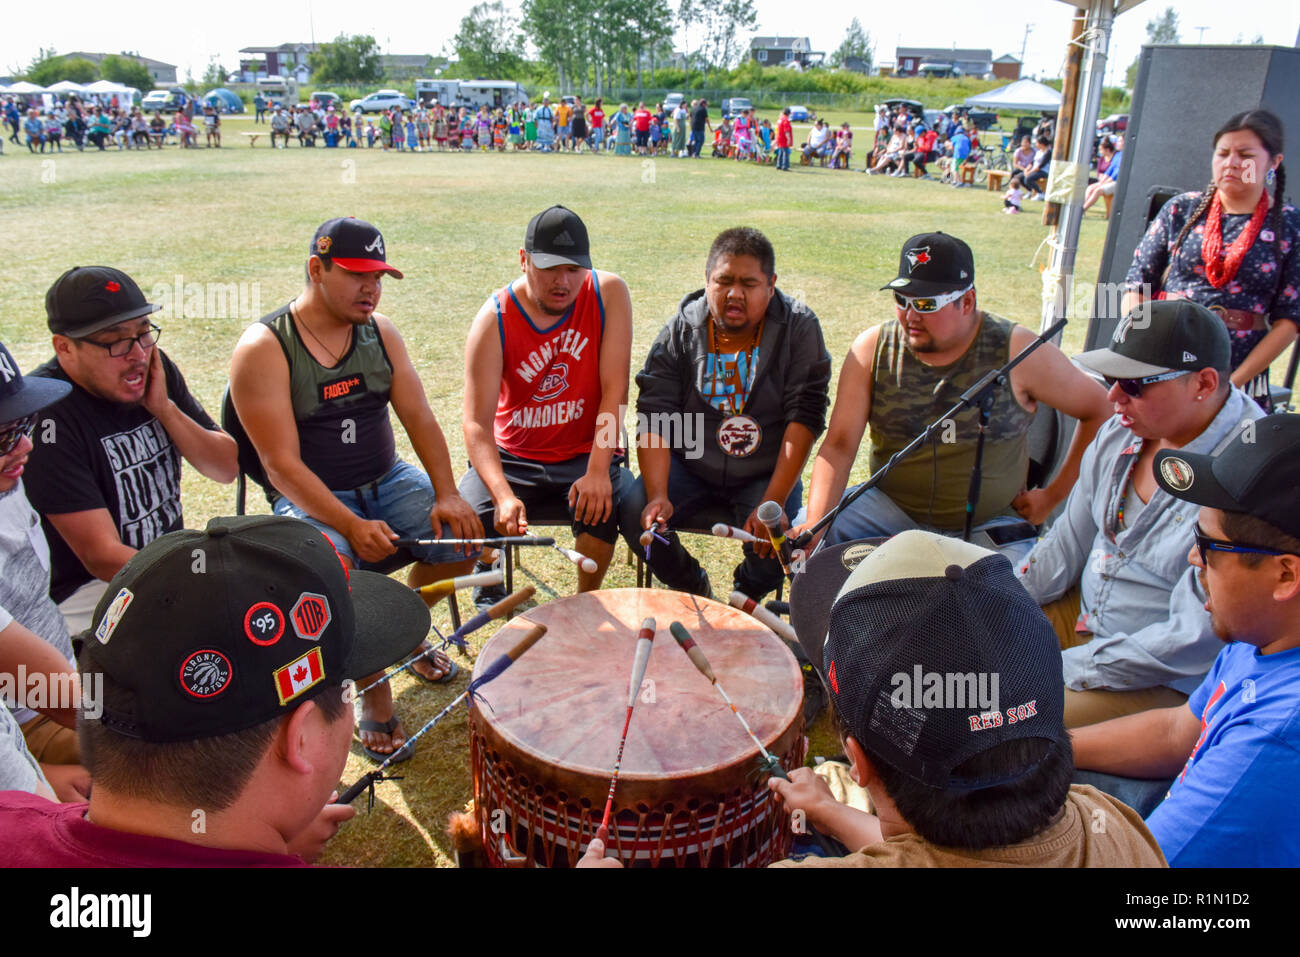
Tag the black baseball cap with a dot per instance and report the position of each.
(208, 633)
(354, 244)
(557, 237)
(1257, 471)
(923, 605)
(932, 264)
(19, 396)
(86, 299)
(1167, 335)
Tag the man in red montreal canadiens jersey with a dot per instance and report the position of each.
(546, 372)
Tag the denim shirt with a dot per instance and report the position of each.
(1140, 597)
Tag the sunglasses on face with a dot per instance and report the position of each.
(1205, 544)
(928, 303)
(120, 347)
(11, 433)
(1133, 387)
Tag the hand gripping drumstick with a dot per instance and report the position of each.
(440, 589)
(768, 762)
(457, 637)
(493, 670)
(770, 514)
(584, 563)
(499, 541)
(750, 607)
(723, 530)
(645, 640)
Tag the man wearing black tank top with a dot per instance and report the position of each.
(312, 384)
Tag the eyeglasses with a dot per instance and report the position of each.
(1133, 387)
(11, 433)
(1205, 544)
(120, 347)
(929, 303)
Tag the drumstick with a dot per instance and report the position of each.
(493, 670)
(723, 530)
(457, 637)
(499, 541)
(768, 761)
(646, 538)
(446, 586)
(645, 639)
(750, 607)
(584, 563)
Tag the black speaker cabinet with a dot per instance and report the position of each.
(1183, 95)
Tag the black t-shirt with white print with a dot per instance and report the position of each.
(90, 453)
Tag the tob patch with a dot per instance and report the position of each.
(263, 624)
(297, 676)
(311, 616)
(205, 673)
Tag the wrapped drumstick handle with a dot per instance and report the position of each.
(644, 643)
(750, 607)
(439, 589)
(497, 541)
(723, 530)
(500, 610)
(584, 563)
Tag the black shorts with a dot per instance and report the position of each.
(642, 137)
(543, 487)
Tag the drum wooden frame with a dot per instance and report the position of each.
(689, 794)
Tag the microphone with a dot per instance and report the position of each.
(770, 514)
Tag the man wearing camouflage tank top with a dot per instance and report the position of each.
(902, 375)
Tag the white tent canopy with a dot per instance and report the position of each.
(66, 86)
(1021, 95)
(108, 86)
(22, 86)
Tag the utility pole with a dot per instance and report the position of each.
(1024, 45)
(1201, 32)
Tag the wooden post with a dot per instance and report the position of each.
(1069, 94)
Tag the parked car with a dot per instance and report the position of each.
(323, 99)
(735, 106)
(165, 101)
(672, 101)
(799, 114)
(382, 100)
(1115, 123)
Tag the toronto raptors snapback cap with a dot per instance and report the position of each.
(557, 237)
(208, 633)
(354, 244)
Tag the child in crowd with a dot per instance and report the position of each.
(499, 127)
(412, 136)
(1014, 195)
(371, 133)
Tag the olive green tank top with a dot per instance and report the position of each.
(932, 483)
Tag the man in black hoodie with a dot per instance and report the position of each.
(732, 396)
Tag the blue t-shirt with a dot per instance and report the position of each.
(1113, 169)
(1233, 805)
(960, 147)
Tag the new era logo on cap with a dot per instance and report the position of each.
(1188, 357)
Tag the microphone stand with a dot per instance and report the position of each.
(981, 396)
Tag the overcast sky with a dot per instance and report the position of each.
(189, 35)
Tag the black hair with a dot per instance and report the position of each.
(742, 241)
(1250, 530)
(325, 261)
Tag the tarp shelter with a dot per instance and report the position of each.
(1029, 95)
(106, 90)
(25, 88)
(224, 100)
(66, 86)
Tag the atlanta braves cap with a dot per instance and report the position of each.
(86, 299)
(354, 244)
(1257, 472)
(1167, 335)
(934, 653)
(557, 237)
(931, 264)
(208, 633)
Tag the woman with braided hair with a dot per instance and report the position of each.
(1234, 248)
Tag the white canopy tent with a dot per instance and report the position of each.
(25, 88)
(107, 89)
(66, 86)
(1026, 95)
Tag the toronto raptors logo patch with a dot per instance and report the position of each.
(311, 615)
(554, 383)
(263, 624)
(323, 244)
(917, 257)
(205, 674)
(739, 436)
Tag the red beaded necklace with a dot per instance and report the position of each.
(1220, 269)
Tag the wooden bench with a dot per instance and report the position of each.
(996, 178)
(1108, 198)
(252, 137)
(967, 174)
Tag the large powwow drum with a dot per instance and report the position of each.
(688, 794)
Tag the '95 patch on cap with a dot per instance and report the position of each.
(1177, 473)
(297, 676)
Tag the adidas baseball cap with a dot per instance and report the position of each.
(931, 264)
(1167, 335)
(86, 299)
(1256, 472)
(354, 244)
(933, 653)
(557, 237)
(208, 633)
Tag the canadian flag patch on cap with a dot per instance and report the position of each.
(299, 675)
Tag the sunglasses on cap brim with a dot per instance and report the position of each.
(1133, 387)
(928, 303)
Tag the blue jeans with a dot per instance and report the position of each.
(699, 504)
(1142, 796)
(402, 497)
(875, 515)
(697, 141)
(783, 157)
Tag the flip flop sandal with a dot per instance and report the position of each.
(449, 676)
(404, 753)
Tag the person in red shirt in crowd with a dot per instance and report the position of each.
(784, 140)
(641, 128)
(923, 153)
(596, 118)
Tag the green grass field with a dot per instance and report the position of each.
(454, 224)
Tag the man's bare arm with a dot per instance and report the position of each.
(1151, 744)
(93, 537)
(483, 368)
